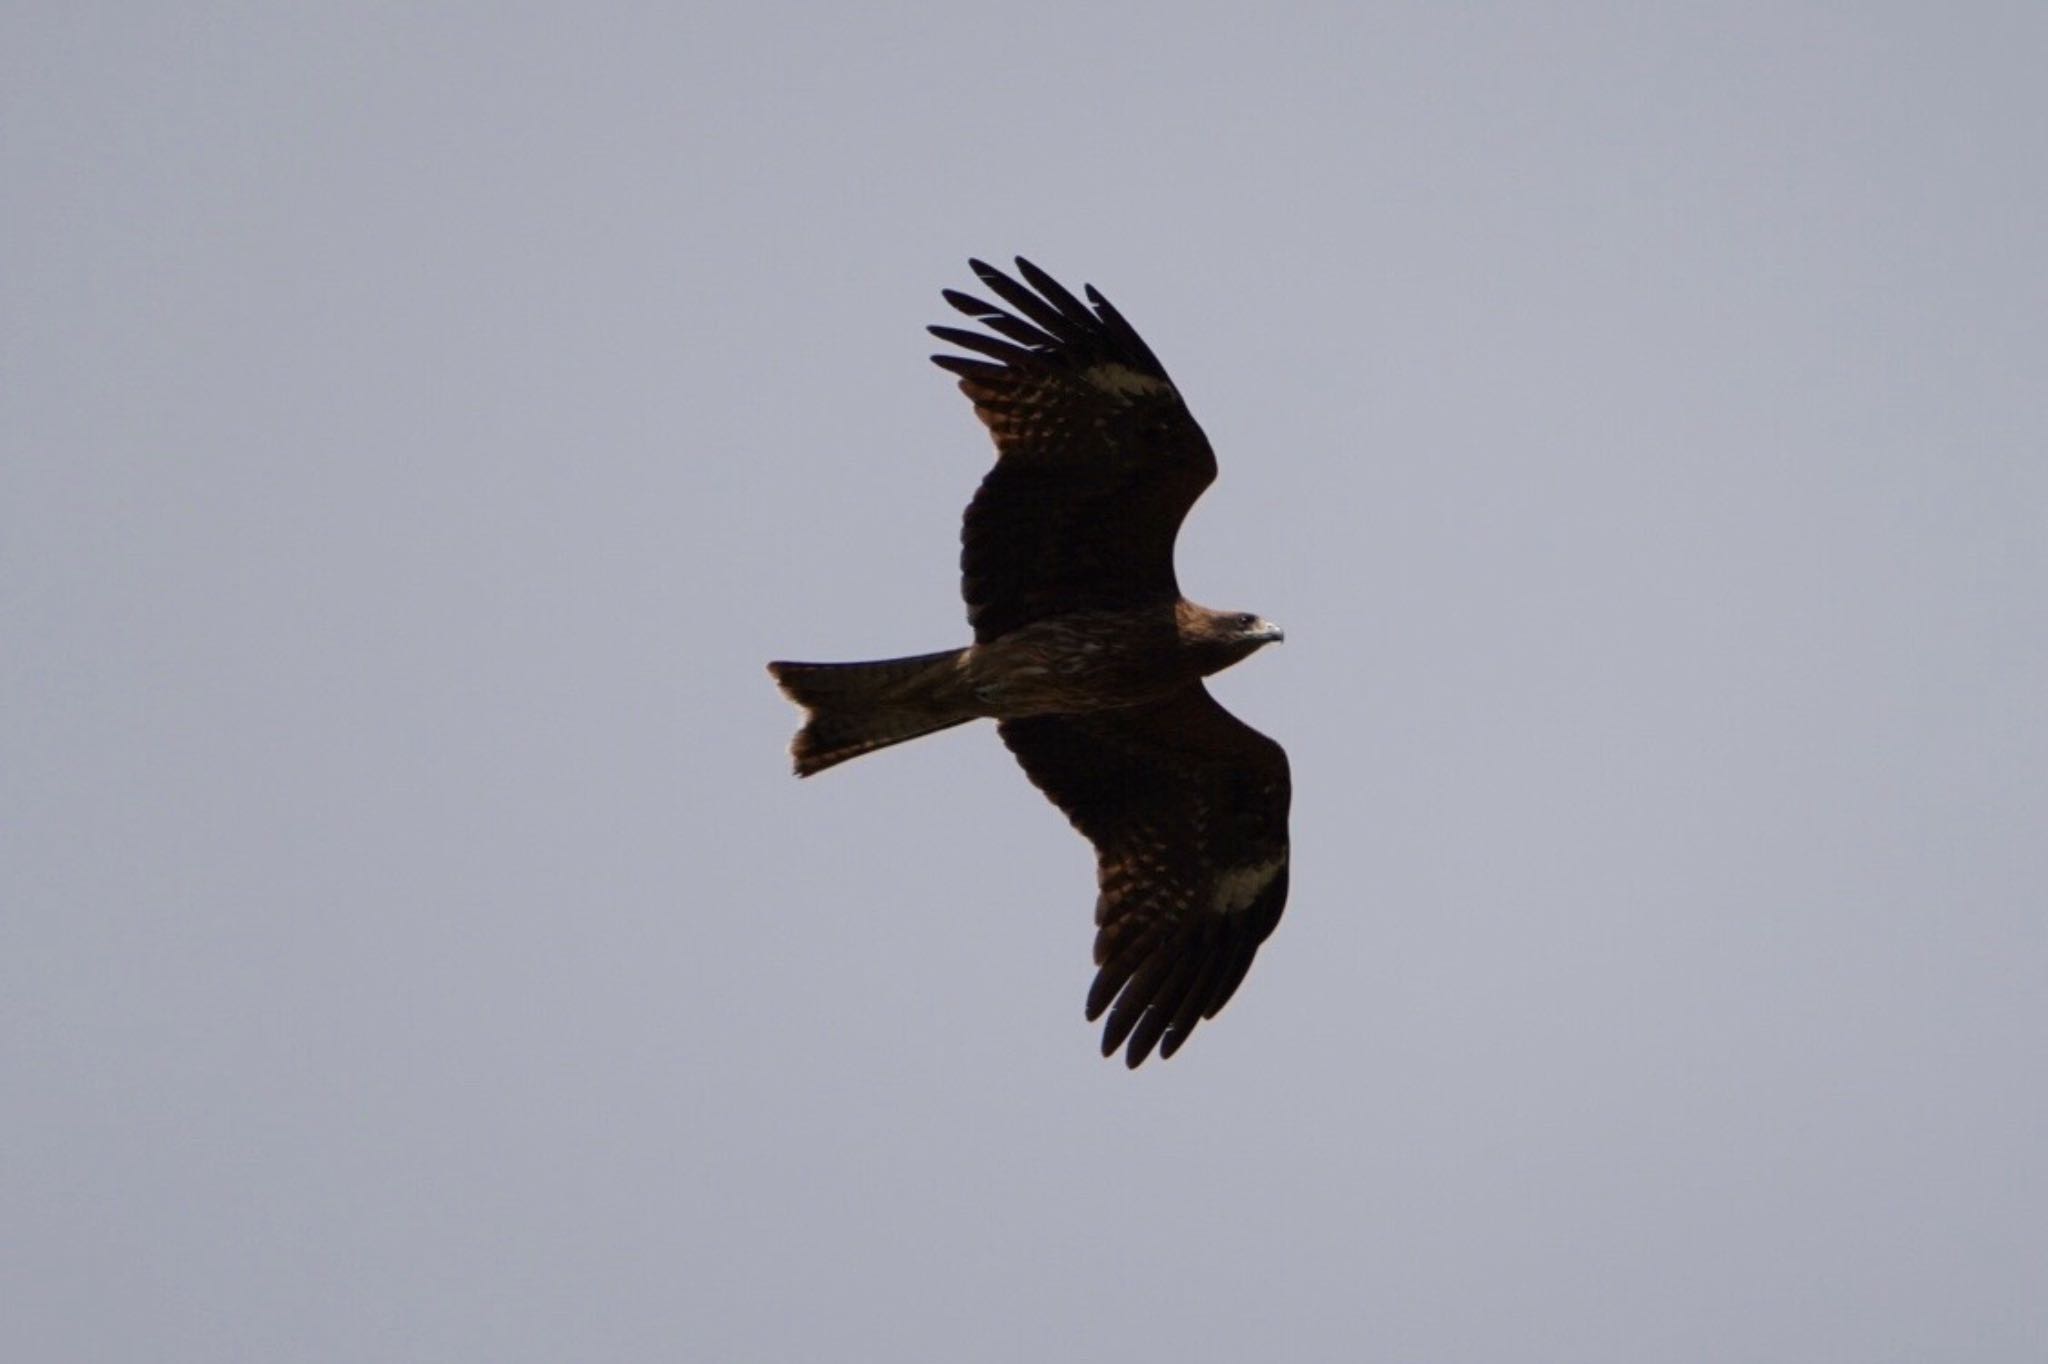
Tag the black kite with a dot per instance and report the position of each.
(1090, 660)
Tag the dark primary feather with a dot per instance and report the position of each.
(1098, 459)
(996, 319)
(1176, 797)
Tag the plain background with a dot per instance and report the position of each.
(421, 423)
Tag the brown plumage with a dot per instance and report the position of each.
(1089, 658)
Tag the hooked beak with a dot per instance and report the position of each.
(1268, 633)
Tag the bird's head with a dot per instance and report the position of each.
(1221, 638)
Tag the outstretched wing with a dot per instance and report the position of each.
(1187, 808)
(1097, 458)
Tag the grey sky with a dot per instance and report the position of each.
(421, 424)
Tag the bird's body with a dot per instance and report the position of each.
(1090, 660)
(1105, 660)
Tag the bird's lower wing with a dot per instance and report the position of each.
(1187, 808)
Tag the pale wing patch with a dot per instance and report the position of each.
(1124, 381)
(1238, 888)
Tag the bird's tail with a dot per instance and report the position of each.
(856, 708)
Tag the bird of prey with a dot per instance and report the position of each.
(1088, 657)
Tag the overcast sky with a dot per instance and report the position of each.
(422, 422)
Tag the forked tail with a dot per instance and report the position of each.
(856, 708)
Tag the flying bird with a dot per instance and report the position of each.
(1088, 657)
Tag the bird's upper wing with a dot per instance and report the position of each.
(1187, 808)
(1097, 458)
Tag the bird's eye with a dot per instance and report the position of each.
(1247, 621)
